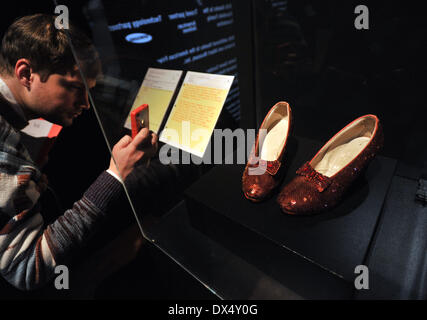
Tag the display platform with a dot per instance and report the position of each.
(396, 262)
(336, 241)
(240, 276)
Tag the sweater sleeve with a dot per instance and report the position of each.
(30, 250)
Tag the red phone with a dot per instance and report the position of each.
(139, 119)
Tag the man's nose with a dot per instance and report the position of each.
(85, 101)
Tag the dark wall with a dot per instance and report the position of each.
(312, 56)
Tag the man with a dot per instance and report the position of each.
(39, 78)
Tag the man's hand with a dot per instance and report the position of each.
(128, 152)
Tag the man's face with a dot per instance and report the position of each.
(61, 98)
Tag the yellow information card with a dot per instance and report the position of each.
(156, 90)
(195, 112)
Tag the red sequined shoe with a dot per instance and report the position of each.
(321, 183)
(263, 171)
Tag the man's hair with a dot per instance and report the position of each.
(36, 38)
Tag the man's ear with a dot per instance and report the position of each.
(23, 72)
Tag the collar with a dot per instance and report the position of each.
(14, 115)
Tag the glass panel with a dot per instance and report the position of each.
(184, 55)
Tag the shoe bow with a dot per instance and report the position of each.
(321, 182)
(270, 166)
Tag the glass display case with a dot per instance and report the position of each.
(330, 73)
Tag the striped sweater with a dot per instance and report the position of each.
(30, 249)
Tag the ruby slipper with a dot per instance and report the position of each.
(321, 183)
(264, 169)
